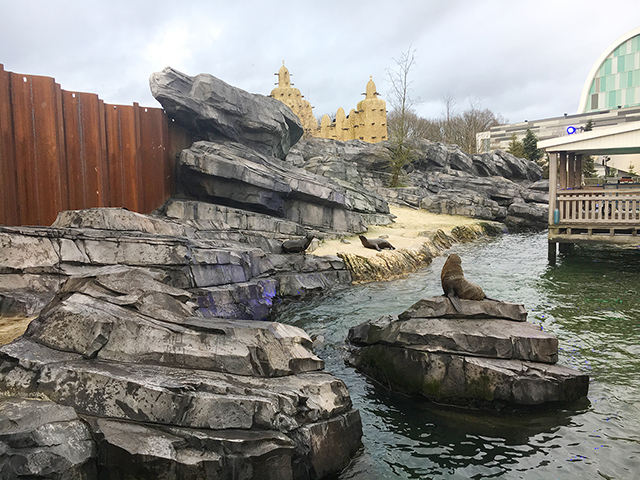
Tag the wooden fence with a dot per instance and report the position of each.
(605, 208)
(62, 150)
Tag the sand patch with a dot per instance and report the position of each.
(411, 227)
(12, 327)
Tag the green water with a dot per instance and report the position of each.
(589, 300)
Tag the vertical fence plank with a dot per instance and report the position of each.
(86, 149)
(153, 156)
(38, 146)
(9, 206)
(122, 154)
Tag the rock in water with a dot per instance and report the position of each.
(210, 109)
(470, 358)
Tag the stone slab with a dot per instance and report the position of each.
(491, 338)
(441, 307)
(172, 396)
(464, 380)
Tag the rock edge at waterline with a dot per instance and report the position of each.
(485, 356)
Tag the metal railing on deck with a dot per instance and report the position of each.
(600, 208)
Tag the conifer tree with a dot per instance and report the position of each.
(530, 147)
(515, 147)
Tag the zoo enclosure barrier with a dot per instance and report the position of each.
(62, 150)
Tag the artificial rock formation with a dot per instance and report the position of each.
(149, 377)
(484, 355)
(210, 109)
(442, 179)
(226, 276)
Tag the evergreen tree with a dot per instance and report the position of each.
(530, 147)
(588, 167)
(515, 148)
(589, 126)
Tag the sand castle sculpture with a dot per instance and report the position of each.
(368, 122)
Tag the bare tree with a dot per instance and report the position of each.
(449, 117)
(401, 123)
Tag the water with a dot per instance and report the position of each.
(589, 300)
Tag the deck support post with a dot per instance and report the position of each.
(563, 170)
(565, 247)
(552, 253)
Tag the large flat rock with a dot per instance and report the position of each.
(130, 317)
(466, 380)
(40, 439)
(491, 356)
(172, 396)
(495, 338)
(144, 451)
(441, 307)
(210, 109)
(235, 176)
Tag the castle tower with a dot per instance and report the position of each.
(294, 100)
(371, 116)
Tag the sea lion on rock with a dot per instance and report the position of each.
(297, 246)
(454, 284)
(376, 243)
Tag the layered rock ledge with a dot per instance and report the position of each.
(487, 355)
(167, 394)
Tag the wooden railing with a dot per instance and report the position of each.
(599, 208)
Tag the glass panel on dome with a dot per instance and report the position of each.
(631, 96)
(607, 66)
(621, 62)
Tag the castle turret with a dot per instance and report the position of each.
(367, 123)
(371, 116)
(294, 100)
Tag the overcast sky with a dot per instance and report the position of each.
(524, 60)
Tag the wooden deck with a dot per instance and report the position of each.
(597, 215)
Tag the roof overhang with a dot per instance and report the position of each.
(618, 140)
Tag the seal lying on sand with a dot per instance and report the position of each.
(376, 243)
(297, 246)
(454, 284)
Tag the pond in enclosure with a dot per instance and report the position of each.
(589, 300)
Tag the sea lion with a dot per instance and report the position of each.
(454, 284)
(297, 246)
(376, 243)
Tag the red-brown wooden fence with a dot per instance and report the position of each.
(62, 150)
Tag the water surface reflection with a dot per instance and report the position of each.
(589, 300)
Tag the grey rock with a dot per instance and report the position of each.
(40, 439)
(467, 380)
(143, 451)
(441, 307)
(233, 175)
(212, 247)
(175, 396)
(441, 179)
(471, 359)
(528, 215)
(166, 393)
(151, 323)
(210, 109)
(481, 338)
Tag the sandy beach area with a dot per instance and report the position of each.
(410, 228)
